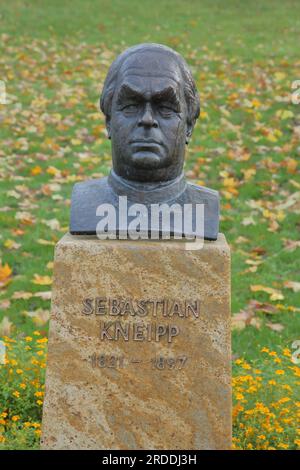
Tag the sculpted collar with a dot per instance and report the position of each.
(151, 193)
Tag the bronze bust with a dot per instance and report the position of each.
(151, 104)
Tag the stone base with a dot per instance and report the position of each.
(139, 346)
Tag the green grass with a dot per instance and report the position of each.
(54, 57)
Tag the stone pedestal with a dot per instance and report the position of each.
(139, 346)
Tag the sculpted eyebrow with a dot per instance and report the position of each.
(168, 94)
(126, 92)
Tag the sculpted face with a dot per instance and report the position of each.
(148, 124)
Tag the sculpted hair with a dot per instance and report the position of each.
(190, 90)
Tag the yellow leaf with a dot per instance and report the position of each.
(274, 293)
(45, 242)
(272, 138)
(279, 76)
(36, 170)
(76, 142)
(51, 170)
(5, 274)
(42, 280)
(248, 173)
(284, 114)
(11, 244)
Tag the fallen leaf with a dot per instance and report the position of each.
(11, 244)
(52, 223)
(5, 274)
(291, 245)
(247, 316)
(45, 242)
(42, 280)
(40, 316)
(248, 221)
(275, 326)
(43, 295)
(4, 304)
(36, 170)
(21, 295)
(241, 239)
(6, 327)
(274, 293)
(295, 286)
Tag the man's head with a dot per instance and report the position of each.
(151, 105)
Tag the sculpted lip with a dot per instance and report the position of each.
(145, 142)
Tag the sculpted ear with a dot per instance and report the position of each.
(189, 131)
(108, 128)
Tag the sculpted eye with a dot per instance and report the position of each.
(130, 108)
(166, 111)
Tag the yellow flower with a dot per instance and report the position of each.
(266, 350)
(249, 446)
(261, 437)
(23, 386)
(19, 371)
(279, 429)
(277, 360)
(246, 366)
(286, 387)
(28, 338)
(284, 400)
(249, 431)
(279, 372)
(4, 414)
(2, 439)
(39, 394)
(297, 371)
(273, 353)
(15, 418)
(27, 424)
(37, 333)
(40, 353)
(38, 432)
(261, 407)
(239, 396)
(39, 402)
(297, 442)
(42, 340)
(16, 394)
(286, 352)
(281, 445)
(272, 382)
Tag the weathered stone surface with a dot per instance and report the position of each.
(179, 395)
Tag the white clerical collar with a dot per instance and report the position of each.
(147, 192)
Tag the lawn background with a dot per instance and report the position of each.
(244, 57)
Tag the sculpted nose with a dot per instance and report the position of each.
(147, 118)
